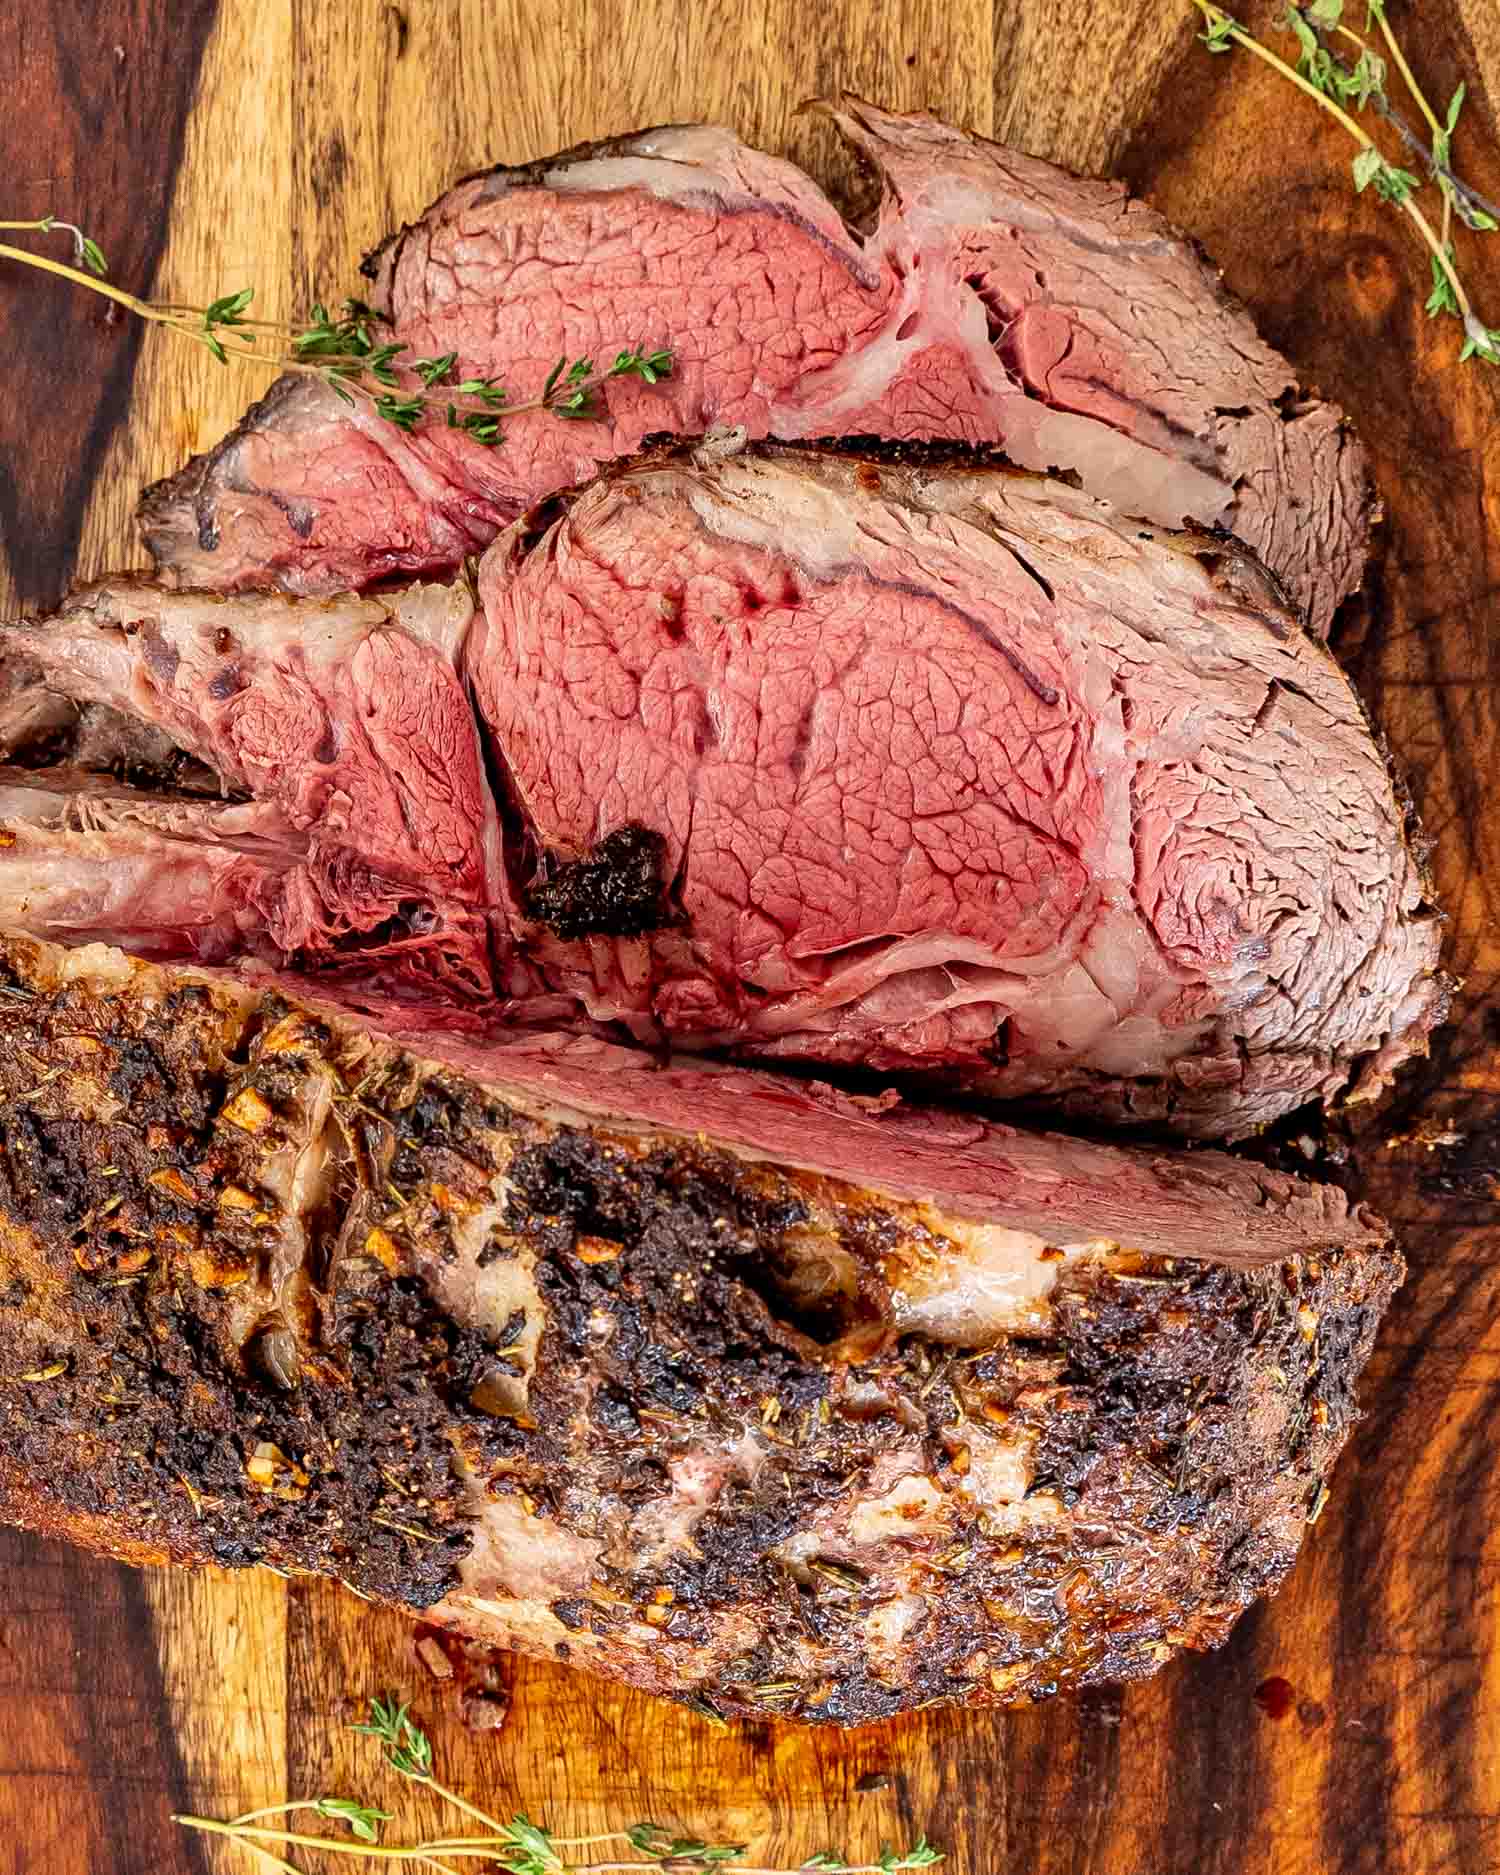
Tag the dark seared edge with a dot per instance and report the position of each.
(196, 1374)
(190, 483)
(123, 1258)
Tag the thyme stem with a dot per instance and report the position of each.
(1440, 254)
(1378, 9)
(1452, 184)
(143, 309)
(1225, 28)
(1230, 26)
(344, 354)
(520, 1846)
(462, 1803)
(475, 1849)
(253, 1834)
(1403, 129)
(272, 1809)
(1399, 57)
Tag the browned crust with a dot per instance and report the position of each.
(1194, 1409)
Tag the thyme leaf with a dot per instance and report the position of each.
(350, 351)
(407, 1747)
(519, 1845)
(1440, 299)
(363, 1818)
(1219, 36)
(434, 370)
(1343, 92)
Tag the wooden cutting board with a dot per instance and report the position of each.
(1353, 1725)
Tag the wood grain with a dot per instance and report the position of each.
(313, 128)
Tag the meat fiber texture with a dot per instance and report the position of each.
(997, 301)
(722, 1385)
(935, 772)
(368, 820)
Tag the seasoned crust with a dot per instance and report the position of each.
(119, 1263)
(242, 1315)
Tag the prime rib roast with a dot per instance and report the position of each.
(412, 1166)
(937, 771)
(723, 1384)
(997, 300)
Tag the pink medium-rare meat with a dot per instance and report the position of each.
(1136, 369)
(681, 234)
(931, 771)
(371, 842)
(652, 1370)
(998, 301)
(954, 769)
(160, 876)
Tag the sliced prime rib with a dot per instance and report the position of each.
(997, 301)
(928, 770)
(727, 1386)
(369, 839)
(957, 769)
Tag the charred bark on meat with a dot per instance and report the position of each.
(615, 890)
(620, 1396)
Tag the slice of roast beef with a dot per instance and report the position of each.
(373, 842)
(161, 876)
(920, 770)
(997, 301)
(957, 769)
(728, 1387)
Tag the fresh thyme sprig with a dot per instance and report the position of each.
(1340, 89)
(1473, 209)
(520, 1846)
(348, 351)
(86, 253)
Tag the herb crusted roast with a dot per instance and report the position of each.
(723, 1385)
(998, 300)
(376, 1195)
(923, 770)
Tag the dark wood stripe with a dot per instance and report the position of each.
(89, 1768)
(97, 103)
(96, 108)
